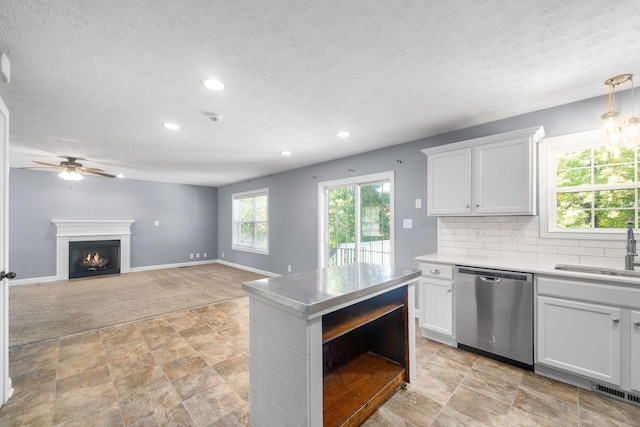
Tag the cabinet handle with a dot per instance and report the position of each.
(434, 271)
(636, 323)
(616, 320)
(477, 205)
(449, 291)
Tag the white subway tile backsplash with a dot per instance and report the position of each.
(455, 251)
(558, 259)
(517, 237)
(470, 245)
(558, 242)
(496, 232)
(581, 251)
(603, 243)
(547, 249)
(518, 256)
(615, 253)
(484, 253)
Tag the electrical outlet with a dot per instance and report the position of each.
(204, 255)
(477, 233)
(191, 256)
(418, 203)
(222, 254)
(156, 223)
(289, 268)
(198, 255)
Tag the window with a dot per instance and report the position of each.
(251, 221)
(588, 189)
(356, 221)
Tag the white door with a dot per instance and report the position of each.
(5, 381)
(356, 220)
(436, 306)
(635, 351)
(449, 182)
(504, 173)
(580, 337)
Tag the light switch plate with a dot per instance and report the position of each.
(407, 223)
(418, 203)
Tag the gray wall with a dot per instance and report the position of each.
(4, 94)
(293, 195)
(187, 215)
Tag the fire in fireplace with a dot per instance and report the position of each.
(94, 258)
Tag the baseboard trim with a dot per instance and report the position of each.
(34, 280)
(243, 267)
(174, 265)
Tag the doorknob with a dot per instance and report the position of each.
(9, 275)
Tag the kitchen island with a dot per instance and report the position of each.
(327, 347)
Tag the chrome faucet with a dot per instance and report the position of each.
(629, 258)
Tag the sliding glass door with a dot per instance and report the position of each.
(356, 220)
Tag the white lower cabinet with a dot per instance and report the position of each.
(579, 337)
(635, 351)
(435, 302)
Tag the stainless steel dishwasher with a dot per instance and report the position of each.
(494, 314)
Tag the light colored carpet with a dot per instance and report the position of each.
(45, 311)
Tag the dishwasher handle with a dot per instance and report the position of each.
(493, 274)
(491, 279)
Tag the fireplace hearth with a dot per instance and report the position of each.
(94, 258)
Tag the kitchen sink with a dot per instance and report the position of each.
(598, 270)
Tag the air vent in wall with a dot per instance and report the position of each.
(616, 393)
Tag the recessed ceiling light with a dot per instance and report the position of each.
(343, 134)
(285, 153)
(213, 84)
(119, 176)
(171, 126)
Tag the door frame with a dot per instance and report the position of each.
(6, 387)
(323, 202)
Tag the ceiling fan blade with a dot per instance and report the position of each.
(55, 165)
(92, 169)
(94, 172)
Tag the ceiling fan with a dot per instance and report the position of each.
(71, 169)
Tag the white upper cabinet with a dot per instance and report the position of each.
(493, 175)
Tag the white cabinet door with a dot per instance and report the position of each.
(580, 338)
(635, 351)
(436, 306)
(449, 182)
(504, 178)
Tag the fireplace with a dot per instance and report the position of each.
(94, 258)
(70, 231)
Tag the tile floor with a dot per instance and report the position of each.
(191, 369)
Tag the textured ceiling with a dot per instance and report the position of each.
(96, 79)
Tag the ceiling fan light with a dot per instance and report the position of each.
(212, 83)
(171, 126)
(70, 176)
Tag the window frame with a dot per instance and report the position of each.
(548, 203)
(323, 203)
(235, 198)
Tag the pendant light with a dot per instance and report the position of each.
(614, 132)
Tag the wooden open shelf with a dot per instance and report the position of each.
(353, 391)
(346, 321)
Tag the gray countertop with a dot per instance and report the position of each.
(319, 291)
(523, 266)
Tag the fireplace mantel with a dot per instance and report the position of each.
(73, 230)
